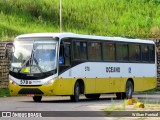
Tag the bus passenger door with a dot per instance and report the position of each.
(65, 86)
(64, 57)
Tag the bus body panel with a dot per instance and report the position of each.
(90, 85)
(63, 86)
(144, 83)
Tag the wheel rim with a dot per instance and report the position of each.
(77, 91)
(129, 91)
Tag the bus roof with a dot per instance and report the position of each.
(73, 35)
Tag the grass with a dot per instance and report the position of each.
(150, 105)
(4, 92)
(116, 106)
(126, 18)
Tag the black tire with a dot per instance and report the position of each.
(92, 96)
(129, 90)
(37, 98)
(75, 97)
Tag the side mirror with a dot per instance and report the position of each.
(6, 51)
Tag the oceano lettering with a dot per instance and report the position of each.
(112, 69)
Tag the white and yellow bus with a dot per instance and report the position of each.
(68, 64)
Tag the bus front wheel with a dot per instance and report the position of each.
(37, 98)
(75, 97)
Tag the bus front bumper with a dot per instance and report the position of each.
(58, 87)
(43, 90)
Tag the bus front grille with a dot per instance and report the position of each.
(30, 91)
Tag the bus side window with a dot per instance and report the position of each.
(64, 55)
(122, 52)
(152, 53)
(134, 52)
(144, 53)
(61, 60)
(61, 55)
(67, 54)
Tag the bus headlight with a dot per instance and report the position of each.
(50, 82)
(13, 82)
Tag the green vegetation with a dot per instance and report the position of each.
(114, 106)
(4, 92)
(126, 18)
(149, 104)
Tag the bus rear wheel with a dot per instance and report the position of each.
(37, 98)
(128, 91)
(75, 97)
(92, 96)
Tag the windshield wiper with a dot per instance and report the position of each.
(25, 62)
(31, 58)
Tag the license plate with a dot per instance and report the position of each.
(25, 82)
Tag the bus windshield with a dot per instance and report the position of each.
(34, 55)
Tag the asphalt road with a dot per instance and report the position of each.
(64, 104)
